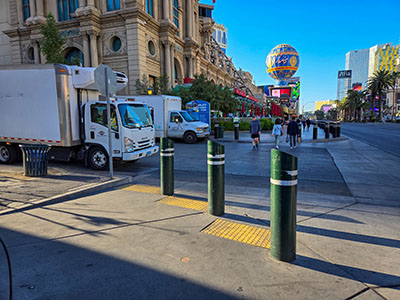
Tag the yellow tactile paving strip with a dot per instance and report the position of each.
(184, 202)
(142, 189)
(247, 234)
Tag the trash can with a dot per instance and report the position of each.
(221, 131)
(35, 159)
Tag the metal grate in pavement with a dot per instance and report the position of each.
(238, 232)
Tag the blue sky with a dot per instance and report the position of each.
(321, 32)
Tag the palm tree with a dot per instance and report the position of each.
(379, 82)
(355, 102)
(394, 77)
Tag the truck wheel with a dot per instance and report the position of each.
(98, 158)
(8, 154)
(190, 137)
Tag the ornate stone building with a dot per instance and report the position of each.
(138, 37)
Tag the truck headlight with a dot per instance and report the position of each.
(129, 145)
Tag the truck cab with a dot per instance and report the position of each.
(182, 125)
(169, 118)
(132, 131)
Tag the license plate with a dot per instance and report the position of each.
(148, 153)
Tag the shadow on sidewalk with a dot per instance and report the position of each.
(355, 237)
(46, 269)
(353, 273)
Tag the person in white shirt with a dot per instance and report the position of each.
(277, 131)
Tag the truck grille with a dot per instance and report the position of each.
(143, 144)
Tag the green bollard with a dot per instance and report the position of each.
(167, 166)
(283, 205)
(216, 178)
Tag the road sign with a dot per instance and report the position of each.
(99, 79)
(106, 82)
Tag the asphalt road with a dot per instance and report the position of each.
(382, 136)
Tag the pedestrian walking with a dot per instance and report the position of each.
(255, 131)
(277, 131)
(308, 122)
(292, 131)
(304, 124)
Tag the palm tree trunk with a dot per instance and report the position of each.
(380, 107)
(394, 93)
(373, 106)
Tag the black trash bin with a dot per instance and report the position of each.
(221, 131)
(35, 159)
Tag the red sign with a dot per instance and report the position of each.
(252, 98)
(239, 92)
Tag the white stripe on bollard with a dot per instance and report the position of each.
(284, 182)
(216, 163)
(166, 154)
(216, 156)
(292, 173)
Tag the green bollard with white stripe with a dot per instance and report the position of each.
(284, 173)
(167, 166)
(216, 178)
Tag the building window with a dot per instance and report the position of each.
(205, 12)
(26, 10)
(224, 38)
(149, 7)
(31, 54)
(74, 57)
(176, 15)
(113, 5)
(66, 8)
(116, 44)
(152, 48)
(219, 37)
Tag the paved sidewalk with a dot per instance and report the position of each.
(266, 137)
(17, 190)
(126, 244)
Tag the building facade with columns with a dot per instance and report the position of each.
(142, 38)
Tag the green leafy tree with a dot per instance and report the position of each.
(220, 98)
(142, 86)
(377, 84)
(319, 114)
(52, 41)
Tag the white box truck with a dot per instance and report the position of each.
(169, 118)
(59, 106)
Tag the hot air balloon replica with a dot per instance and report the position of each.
(282, 63)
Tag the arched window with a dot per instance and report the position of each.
(113, 5)
(74, 56)
(25, 9)
(66, 8)
(149, 7)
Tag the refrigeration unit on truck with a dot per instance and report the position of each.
(60, 106)
(170, 120)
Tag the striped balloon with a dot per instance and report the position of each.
(282, 62)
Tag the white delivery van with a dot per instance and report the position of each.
(59, 106)
(169, 118)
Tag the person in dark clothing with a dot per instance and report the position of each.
(255, 131)
(292, 131)
(308, 122)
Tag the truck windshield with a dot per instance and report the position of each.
(135, 115)
(186, 116)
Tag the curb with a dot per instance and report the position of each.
(271, 142)
(340, 139)
(79, 192)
